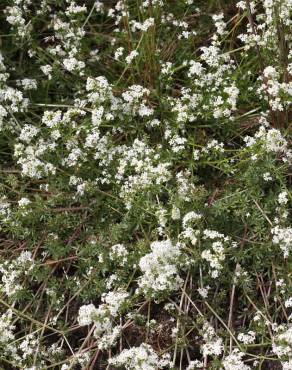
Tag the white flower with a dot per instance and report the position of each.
(72, 64)
(213, 344)
(159, 268)
(47, 70)
(216, 254)
(282, 236)
(287, 365)
(86, 313)
(175, 213)
(247, 338)
(133, 54)
(204, 291)
(267, 176)
(28, 83)
(194, 365)
(28, 132)
(6, 327)
(139, 358)
(119, 253)
(270, 72)
(142, 26)
(166, 68)
(288, 302)
(189, 217)
(283, 342)
(234, 361)
(283, 197)
(275, 141)
(23, 202)
(114, 300)
(118, 53)
(24, 257)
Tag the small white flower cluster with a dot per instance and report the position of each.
(223, 93)
(175, 213)
(160, 269)
(28, 159)
(147, 3)
(29, 346)
(281, 285)
(149, 22)
(204, 291)
(176, 142)
(264, 35)
(282, 346)
(140, 358)
(288, 302)
(243, 6)
(131, 56)
(247, 338)
(118, 53)
(102, 317)
(287, 365)
(24, 352)
(234, 361)
(267, 176)
(73, 8)
(23, 206)
(212, 149)
(271, 140)
(215, 255)
(27, 83)
(283, 198)
(166, 68)
(15, 15)
(32, 157)
(134, 101)
(213, 345)
(12, 271)
(47, 70)
(220, 26)
(85, 315)
(119, 11)
(185, 186)
(190, 217)
(273, 91)
(162, 219)
(99, 89)
(141, 160)
(119, 253)
(28, 132)
(67, 40)
(11, 99)
(72, 64)
(282, 236)
(194, 365)
(5, 210)
(6, 327)
(24, 202)
(189, 233)
(184, 28)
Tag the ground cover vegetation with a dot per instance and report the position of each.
(145, 184)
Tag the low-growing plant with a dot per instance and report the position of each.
(145, 184)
